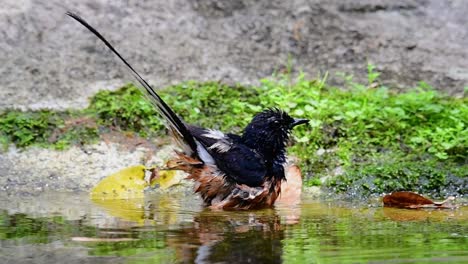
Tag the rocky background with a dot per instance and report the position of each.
(50, 61)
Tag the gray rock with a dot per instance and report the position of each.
(49, 61)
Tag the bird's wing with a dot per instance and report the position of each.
(173, 122)
(239, 163)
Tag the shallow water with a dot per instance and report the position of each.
(165, 228)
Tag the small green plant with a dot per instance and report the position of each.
(372, 74)
(24, 129)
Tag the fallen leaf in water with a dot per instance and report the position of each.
(126, 209)
(122, 193)
(397, 214)
(411, 200)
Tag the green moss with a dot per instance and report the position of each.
(125, 109)
(389, 172)
(382, 140)
(46, 128)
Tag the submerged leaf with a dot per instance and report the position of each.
(122, 193)
(127, 209)
(398, 214)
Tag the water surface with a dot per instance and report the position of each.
(174, 228)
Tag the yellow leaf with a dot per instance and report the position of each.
(128, 183)
(167, 178)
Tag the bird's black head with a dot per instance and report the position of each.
(268, 132)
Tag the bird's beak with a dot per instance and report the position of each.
(299, 122)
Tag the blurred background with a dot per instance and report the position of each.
(47, 60)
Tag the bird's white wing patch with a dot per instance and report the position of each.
(214, 134)
(222, 144)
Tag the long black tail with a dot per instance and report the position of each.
(174, 123)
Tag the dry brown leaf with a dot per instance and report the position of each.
(411, 200)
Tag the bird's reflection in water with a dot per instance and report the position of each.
(202, 235)
(232, 237)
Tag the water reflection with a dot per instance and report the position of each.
(175, 228)
(234, 238)
(208, 236)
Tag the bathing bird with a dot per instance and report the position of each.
(230, 171)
